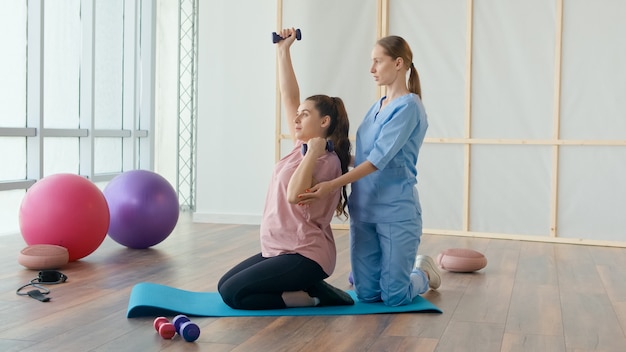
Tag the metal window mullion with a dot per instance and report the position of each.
(129, 107)
(87, 81)
(13, 185)
(18, 132)
(104, 177)
(146, 78)
(137, 91)
(179, 171)
(34, 90)
(141, 133)
(64, 132)
(101, 133)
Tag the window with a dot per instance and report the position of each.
(77, 92)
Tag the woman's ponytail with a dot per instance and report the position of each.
(337, 133)
(414, 81)
(339, 137)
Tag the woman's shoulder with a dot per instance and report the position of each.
(330, 158)
(410, 99)
(410, 102)
(329, 164)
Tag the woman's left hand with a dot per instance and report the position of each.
(316, 146)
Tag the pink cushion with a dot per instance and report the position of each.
(43, 256)
(461, 260)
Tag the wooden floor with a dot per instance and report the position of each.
(530, 297)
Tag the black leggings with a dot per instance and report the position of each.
(258, 283)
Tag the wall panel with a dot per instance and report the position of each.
(513, 69)
(592, 196)
(440, 184)
(594, 74)
(436, 32)
(510, 189)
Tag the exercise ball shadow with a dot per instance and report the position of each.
(148, 256)
(65, 210)
(144, 208)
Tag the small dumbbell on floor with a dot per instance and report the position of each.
(165, 329)
(186, 328)
(181, 324)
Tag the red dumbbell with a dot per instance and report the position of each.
(164, 327)
(185, 328)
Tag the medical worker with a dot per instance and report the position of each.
(385, 211)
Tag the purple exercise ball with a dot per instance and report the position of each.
(143, 206)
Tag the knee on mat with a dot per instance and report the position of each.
(371, 298)
(227, 297)
(231, 302)
(396, 300)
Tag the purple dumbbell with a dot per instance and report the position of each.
(329, 147)
(276, 38)
(185, 328)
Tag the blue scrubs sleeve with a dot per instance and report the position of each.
(397, 125)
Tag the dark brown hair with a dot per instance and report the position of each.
(337, 133)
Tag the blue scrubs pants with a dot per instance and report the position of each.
(382, 257)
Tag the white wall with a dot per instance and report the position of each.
(236, 110)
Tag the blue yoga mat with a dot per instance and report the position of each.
(149, 299)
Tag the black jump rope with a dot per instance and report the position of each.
(45, 277)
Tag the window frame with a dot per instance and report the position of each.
(138, 111)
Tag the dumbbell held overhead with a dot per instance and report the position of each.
(276, 37)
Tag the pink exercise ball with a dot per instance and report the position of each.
(144, 208)
(66, 210)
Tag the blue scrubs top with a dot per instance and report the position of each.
(390, 139)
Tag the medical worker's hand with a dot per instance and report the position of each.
(316, 192)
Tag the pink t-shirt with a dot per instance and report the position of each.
(291, 228)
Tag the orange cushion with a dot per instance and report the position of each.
(43, 256)
(461, 260)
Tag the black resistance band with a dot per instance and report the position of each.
(46, 277)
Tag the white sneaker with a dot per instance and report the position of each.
(427, 265)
